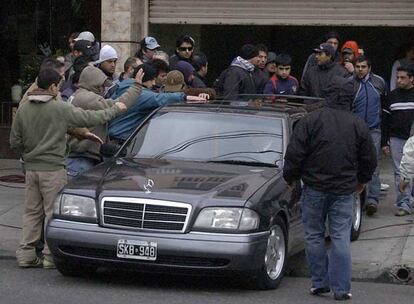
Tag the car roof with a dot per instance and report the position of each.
(257, 104)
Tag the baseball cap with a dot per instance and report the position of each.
(106, 53)
(325, 48)
(174, 81)
(85, 36)
(151, 43)
(271, 57)
(347, 51)
(82, 46)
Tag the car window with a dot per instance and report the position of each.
(209, 136)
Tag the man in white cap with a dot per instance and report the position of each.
(107, 64)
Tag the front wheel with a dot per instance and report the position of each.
(272, 270)
(356, 218)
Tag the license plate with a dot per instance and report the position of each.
(139, 250)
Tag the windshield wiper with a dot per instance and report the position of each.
(243, 162)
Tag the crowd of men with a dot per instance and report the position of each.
(255, 70)
(87, 80)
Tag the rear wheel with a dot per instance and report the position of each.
(272, 270)
(74, 269)
(356, 218)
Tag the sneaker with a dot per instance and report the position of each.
(318, 291)
(371, 209)
(48, 263)
(342, 296)
(385, 187)
(35, 263)
(402, 212)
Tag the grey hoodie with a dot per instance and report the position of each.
(89, 97)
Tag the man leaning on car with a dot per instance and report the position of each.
(332, 152)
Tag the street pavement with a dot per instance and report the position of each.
(383, 253)
(40, 286)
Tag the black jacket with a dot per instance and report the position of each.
(198, 81)
(237, 81)
(331, 150)
(317, 79)
(260, 77)
(398, 115)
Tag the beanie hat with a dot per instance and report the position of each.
(150, 72)
(186, 68)
(248, 51)
(330, 35)
(106, 53)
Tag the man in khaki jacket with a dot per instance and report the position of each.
(38, 134)
(84, 154)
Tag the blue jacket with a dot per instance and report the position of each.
(278, 85)
(122, 126)
(369, 97)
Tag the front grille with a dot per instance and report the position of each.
(161, 259)
(137, 213)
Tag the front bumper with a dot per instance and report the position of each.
(208, 252)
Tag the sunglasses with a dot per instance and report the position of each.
(183, 49)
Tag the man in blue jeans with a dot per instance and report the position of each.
(332, 152)
(370, 92)
(398, 116)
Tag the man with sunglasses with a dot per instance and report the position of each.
(184, 50)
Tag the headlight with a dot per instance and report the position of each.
(216, 218)
(74, 205)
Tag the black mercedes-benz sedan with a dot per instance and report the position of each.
(195, 189)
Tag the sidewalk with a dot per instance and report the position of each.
(384, 251)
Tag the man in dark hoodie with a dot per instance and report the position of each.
(238, 77)
(332, 152)
(38, 134)
(317, 78)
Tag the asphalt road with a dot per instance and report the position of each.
(49, 286)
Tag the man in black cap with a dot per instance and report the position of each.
(331, 38)
(238, 77)
(332, 153)
(317, 78)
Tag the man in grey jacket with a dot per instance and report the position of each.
(38, 134)
(84, 154)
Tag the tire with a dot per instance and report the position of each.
(74, 269)
(356, 218)
(270, 274)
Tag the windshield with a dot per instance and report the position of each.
(215, 137)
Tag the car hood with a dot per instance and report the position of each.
(183, 181)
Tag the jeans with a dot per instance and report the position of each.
(333, 270)
(75, 166)
(374, 186)
(403, 198)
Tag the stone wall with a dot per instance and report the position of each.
(124, 24)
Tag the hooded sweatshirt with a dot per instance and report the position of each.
(238, 79)
(89, 97)
(353, 45)
(38, 131)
